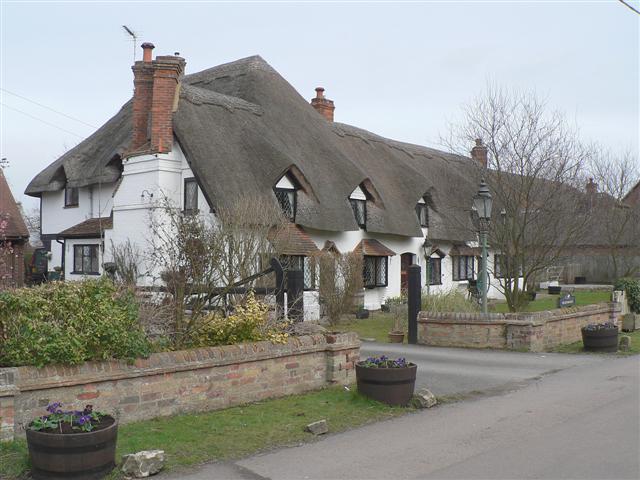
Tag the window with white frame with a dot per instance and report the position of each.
(463, 267)
(86, 259)
(374, 271)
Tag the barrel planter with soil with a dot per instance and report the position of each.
(60, 449)
(601, 337)
(391, 381)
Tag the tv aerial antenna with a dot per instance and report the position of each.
(134, 38)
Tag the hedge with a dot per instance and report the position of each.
(69, 323)
(631, 288)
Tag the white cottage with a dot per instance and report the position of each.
(200, 139)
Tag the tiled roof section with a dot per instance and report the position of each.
(374, 248)
(91, 228)
(293, 240)
(10, 213)
(464, 250)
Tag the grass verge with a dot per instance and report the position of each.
(191, 439)
(576, 347)
(377, 326)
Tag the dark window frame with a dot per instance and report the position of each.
(93, 248)
(461, 275)
(190, 181)
(71, 197)
(308, 267)
(423, 210)
(355, 204)
(433, 261)
(376, 261)
(279, 192)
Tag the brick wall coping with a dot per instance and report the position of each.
(53, 376)
(529, 318)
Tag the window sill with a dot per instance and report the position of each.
(72, 206)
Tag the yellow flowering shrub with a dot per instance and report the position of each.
(249, 323)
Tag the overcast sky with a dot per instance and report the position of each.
(401, 70)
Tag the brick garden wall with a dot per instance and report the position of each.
(535, 332)
(183, 381)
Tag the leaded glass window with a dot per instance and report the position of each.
(423, 214)
(190, 195)
(360, 211)
(463, 267)
(85, 259)
(374, 271)
(287, 199)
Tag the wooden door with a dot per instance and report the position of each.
(406, 259)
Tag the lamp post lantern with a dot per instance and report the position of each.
(482, 202)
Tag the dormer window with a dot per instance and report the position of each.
(422, 211)
(358, 201)
(71, 197)
(285, 191)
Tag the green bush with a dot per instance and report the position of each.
(69, 323)
(631, 288)
(450, 301)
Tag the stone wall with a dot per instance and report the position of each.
(535, 332)
(183, 381)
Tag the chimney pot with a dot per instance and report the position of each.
(147, 47)
(323, 105)
(479, 153)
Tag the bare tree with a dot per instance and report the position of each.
(534, 166)
(6, 246)
(199, 257)
(615, 225)
(340, 278)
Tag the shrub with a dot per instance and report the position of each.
(248, 323)
(631, 288)
(450, 301)
(69, 323)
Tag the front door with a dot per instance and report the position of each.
(406, 259)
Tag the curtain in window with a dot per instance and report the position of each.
(190, 195)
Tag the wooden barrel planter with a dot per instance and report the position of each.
(393, 386)
(600, 340)
(86, 455)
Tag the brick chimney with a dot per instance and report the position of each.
(479, 153)
(323, 105)
(156, 88)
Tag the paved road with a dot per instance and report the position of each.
(447, 371)
(580, 422)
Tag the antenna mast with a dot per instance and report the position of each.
(134, 38)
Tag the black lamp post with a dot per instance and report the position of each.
(426, 248)
(482, 203)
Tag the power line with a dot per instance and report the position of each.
(48, 108)
(629, 6)
(41, 120)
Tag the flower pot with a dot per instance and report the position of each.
(393, 386)
(384, 308)
(396, 337)
(362, 313)
(602, 340)
(86, 455)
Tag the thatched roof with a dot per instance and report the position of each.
(242, 126)
(10, 215)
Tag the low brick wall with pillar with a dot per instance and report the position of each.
(536, 332)
(184, 381)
